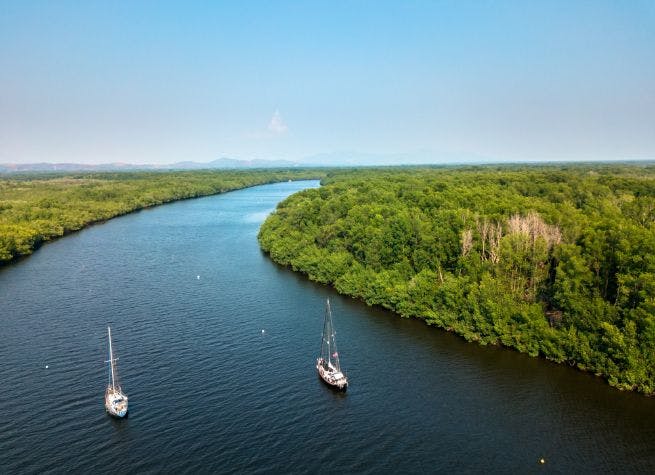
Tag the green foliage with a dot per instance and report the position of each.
(556, 261)
(38, 208)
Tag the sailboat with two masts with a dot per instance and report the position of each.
(327, 365)
(115, 399)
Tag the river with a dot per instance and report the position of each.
(217, 346)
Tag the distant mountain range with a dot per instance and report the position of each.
(231, 163)
(333, 159)
(416, 157)
(221, 163)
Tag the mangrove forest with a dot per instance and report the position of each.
(36, 208)
(553, 261)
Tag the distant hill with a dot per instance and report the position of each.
(221, 163)
(66, 167)
(232, 163)
(418, 157)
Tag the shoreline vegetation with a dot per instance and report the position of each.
(37, 208)
(556, 261)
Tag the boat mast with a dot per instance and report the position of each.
(325, 337)
(328, 335)
(111, 360)
(335, 353)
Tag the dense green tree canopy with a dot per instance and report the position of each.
(39, 208)
(557, 261)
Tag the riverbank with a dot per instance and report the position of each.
(37, 208)
(251, 401)
(553, 261)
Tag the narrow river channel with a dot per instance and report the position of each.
(216, 348)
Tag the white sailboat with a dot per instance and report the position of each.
(327, 365)
(115, 399)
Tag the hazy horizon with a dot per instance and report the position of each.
(323, 160)
(401, 82)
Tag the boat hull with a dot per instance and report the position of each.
(337, 387)
(338, 383)
(117, 414)
(116, 403)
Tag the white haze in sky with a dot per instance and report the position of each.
(358, 82)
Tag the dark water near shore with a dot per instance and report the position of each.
(210, 392)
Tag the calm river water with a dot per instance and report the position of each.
(217, 347)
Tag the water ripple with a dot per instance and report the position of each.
(188, 293)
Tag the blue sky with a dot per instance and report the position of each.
(159, 82)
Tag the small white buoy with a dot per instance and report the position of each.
(198, 277)
(46, 366)
(263, 331)
(542, 461)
